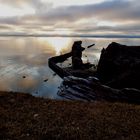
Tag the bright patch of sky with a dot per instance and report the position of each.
(8, 11)
(57, 3)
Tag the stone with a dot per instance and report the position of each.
(119, 66)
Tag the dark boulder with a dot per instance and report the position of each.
(119, 66)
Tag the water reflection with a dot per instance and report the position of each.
(59, 44)
(24, 61)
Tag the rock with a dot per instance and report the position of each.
(36, 115)
(54, 74)
(24, 77)
(90, 89)
(119, 66)
(46, 80)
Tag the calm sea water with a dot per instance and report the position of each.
(24, 61)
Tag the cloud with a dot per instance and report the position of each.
(117, 10)
(13, 3)
(20, 3)
(110, 10)
(124, 13)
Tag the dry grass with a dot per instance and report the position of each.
(25, 117)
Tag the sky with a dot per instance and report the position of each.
(70, 17)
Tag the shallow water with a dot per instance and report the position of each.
(24, 61)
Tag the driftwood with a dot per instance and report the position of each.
(89, 88)
(63, 72)
(52, 62)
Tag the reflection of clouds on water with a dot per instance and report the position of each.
(24, 46)
(29, 77)
(50, 88)
(23, 67)
(24, 63)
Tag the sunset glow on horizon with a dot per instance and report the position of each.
(59, 44)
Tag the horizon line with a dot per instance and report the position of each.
(71, 35)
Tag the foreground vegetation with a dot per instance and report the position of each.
(25, 117)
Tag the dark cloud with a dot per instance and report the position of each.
(11, 20)
(3, 27)
(110, 10)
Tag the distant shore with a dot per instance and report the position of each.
(71, 35)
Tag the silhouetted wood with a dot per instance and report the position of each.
(52, 62)
(62, 72)
(90, 46)
(118, 67)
